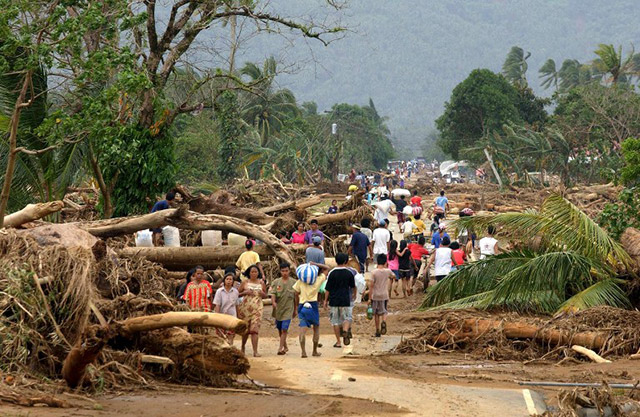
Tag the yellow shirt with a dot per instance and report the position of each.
(420, 227)
(308, 293)
(247, 259)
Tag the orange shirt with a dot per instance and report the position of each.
(198, 295)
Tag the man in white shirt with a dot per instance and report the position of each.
(489, 244)
(383, 209)
(407, 229)
(381, 240)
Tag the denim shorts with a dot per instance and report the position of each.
(338, 315)
(283, 324)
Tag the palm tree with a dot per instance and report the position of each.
(610, 62)
(267, 108)
(549, 74)
(573, 265)
(515, 67)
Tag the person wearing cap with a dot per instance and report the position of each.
(313, 231)
(381, 240)
(315, 253)
(359, 247)
(225, 301)
(440, 235)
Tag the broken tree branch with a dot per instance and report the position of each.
(32, 212)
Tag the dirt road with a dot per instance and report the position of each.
(349, 372)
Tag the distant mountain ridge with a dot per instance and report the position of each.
(408, 55)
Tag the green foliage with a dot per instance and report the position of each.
(573, 266)
(142, 165)
(616, 217)
(482, 104)
(630, 173)
(515, 67)
(197, 147)
(229, 133)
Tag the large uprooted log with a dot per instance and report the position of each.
(294, 205)
(32, 212)
(185, 219)
(87, 349)
(473, 328)
(184, 258)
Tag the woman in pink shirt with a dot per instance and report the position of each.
(298, 235)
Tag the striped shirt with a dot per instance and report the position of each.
(198, 295)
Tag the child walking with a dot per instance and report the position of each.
(284, 300)
(379, 293)
(394, 266)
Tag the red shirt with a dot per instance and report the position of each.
(297, 238)
(198, 295)
(417, 250)
(416, 200)
(459, 256)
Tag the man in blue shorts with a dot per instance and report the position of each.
(284, 301)
(308, 312)
(340, 291)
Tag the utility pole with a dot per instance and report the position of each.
(336, 164)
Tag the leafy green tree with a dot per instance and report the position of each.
(549, 74)
(482, 104)
(575, 266)
(630, 173)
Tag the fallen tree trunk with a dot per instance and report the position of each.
(184, 258)
(184, 219)
(473, 328)
(86, 350)
(336, 218)
(297, 205)
(207, 353)
(32, 212)
(250, 215)
(590, 354)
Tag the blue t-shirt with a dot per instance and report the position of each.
(314, 254)
(436, 239)
(160, 205)
(360, 244)
(442, 201)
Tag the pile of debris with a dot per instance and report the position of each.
(72, 308)
(606, 331)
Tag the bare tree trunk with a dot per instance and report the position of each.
(32, 212)
(104, 189)
(86, 351)
(184, 258)
(184, 219)
(13, 145)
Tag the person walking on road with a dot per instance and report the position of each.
(489, 244)
(225, 302)
(284, 301)
(443, 203)
(252, 291)
(307, 286)
(442, 259)
(381, 240)
(360, 247)
(379, 293)
(340, 291)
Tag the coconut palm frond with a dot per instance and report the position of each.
(573, 228)
(542, 281)
(606, 292)
(473, 301)
(474, 278)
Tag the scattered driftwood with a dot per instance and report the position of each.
(32, 212)
(87, 349)
(184, 219)
(25, 400)
(184, 258)
(590, 354)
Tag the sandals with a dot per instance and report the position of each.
(383, 328)
(346, 340)
(336, 345)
